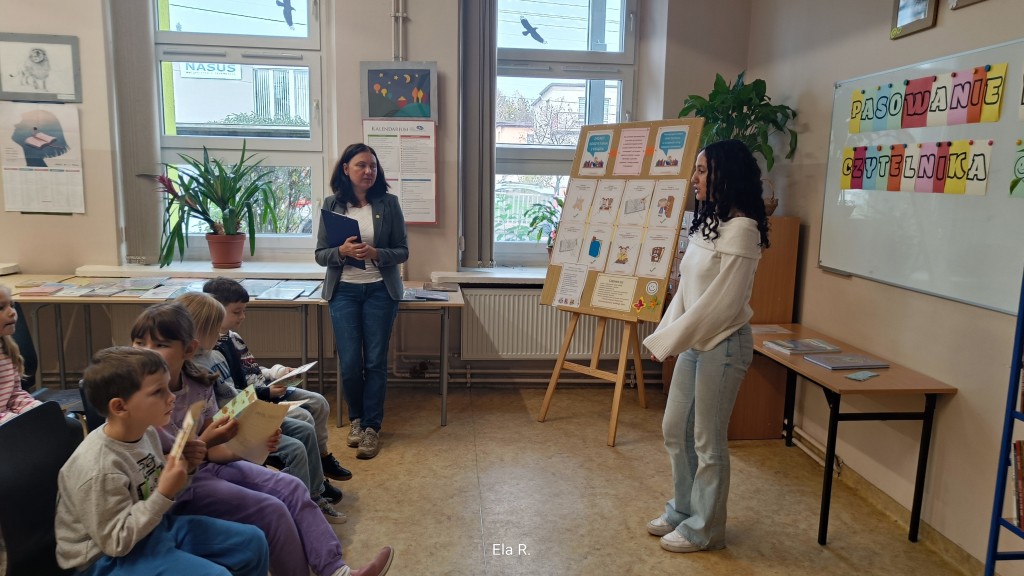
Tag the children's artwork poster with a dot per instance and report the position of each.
(399, 90)
(667, 204)
(950, 167)
(41, 158)
(624, 250)
(621, 217)
(596, 243)
(570, 285)
(578, 197)
(407, 152)
(969, 96)
(629, 158)
(636, 199)
(597, 152)
(668, 151)
(606, 201)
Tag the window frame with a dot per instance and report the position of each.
(543, 160)
(256, 51)
(311, 61)
(311, 42)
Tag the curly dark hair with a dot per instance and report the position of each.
(342, 184)
(733, 182)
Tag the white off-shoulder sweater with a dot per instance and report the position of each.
(713, 299)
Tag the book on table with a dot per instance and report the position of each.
(846, 361)
(280, 293)
(419, 295)
(800, 346)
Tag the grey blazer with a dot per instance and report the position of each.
(389, 238)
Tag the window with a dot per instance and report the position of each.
(562, 64)
(246, 71)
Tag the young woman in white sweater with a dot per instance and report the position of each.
(706, 326)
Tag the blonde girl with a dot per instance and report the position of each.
(13, 399)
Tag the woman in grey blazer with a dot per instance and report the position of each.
(363, 303)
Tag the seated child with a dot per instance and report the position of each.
(116, 489)
(13, 398)
(245, 370)
(298, 449)
(226, 487)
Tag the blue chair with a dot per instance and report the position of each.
(34, 446)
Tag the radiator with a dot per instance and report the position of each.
(504, 324)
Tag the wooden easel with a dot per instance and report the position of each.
(630, 339)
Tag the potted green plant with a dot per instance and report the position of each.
(544, 218)
(744, 112)
(221, 195)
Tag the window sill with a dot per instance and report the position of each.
(520, 275)
(201, 269)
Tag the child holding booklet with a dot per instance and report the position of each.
(116, 490)
(298, 448)
(300, 538)
(245, 370)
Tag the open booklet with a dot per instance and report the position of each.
(257, 421)
(293, 375)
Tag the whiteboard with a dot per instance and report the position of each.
(968, 248)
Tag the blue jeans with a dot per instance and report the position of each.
(193, 545)
(362, 316)
(696, 429)
(300, 454)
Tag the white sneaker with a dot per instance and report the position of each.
(659, 527)
(355, 434)
(676, 542)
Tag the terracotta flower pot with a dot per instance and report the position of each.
(226, 251)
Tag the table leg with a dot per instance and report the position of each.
(305, 342)
(60, 346)
(444, 366)
(87, 314)
(830, 461)
(36, 342)
(789, 407)
(922, 465)
(337, 393)
(320, 350)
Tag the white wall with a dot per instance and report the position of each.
(801, 48)
(44, 243)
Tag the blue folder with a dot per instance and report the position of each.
(339, 228)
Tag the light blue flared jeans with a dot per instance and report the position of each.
(696, 427)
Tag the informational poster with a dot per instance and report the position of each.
(41, 158)
(407, 152)
(621, 219)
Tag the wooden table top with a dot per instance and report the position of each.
(455, 299)
(894, 380)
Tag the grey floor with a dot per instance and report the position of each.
(453, 499)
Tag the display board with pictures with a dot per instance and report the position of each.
(620, 224)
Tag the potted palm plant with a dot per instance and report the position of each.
(544, 218)
(744, 112)
(221, 195)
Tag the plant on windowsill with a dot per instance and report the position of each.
(544, 218)
(744, 111)
(221, 195)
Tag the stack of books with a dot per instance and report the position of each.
(801, 346)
